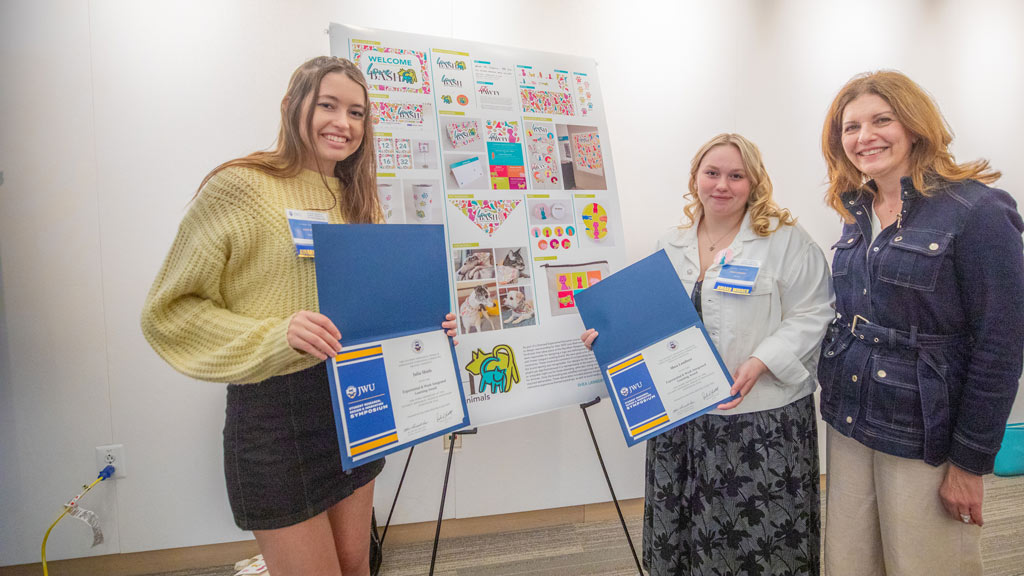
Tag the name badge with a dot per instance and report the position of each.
(301, 224)
(737, 277)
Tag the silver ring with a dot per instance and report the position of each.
(966, 518)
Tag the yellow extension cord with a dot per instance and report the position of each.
(62, 515)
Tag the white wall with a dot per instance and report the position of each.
(113, 110)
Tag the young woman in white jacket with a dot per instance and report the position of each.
(737, 490)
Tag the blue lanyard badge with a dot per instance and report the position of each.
(737, 277)
(301, 224)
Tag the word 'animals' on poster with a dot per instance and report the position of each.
(509, 150)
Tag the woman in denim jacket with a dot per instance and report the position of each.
(920, 367)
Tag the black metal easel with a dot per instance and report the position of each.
(447, 474)
(444, 492)
(394, 502)
(607, 479)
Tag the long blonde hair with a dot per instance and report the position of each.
(931, 162)
(760, 204)
(358, 172)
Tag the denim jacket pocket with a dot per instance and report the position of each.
(913, 258)
(837, 340)
(844, 252)
(894, 397)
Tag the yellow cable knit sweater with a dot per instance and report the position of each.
(219, 308)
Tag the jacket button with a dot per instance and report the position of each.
(881, 373)
(851, 202)
(830, 353)
(933, 246)
(854, 377)
(865, 291)
(859, 212)
(849, 419)
(850, 241)
(897, 239)
(876, 249)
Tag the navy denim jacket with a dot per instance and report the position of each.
(924, 356)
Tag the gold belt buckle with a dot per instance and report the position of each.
(857, 318)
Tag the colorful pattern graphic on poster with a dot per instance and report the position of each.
(538, 102)
(454, 79)
(462, 134)
(587, 150)
(493, 372)
(584, 95)
(391, 69)
(393, 153)
(570, 283)
(502, 131)
(488, 215)
(545, 92)
(505, 155)
(396, 113)
(565, 280)
(595, 221)
(508, 171)
(540, 151)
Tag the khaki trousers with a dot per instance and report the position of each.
(884, 517)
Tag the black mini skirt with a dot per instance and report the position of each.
(281, 457)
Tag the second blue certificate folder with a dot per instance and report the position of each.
(640, 306)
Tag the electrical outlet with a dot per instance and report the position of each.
(112, 454)
(447, 441)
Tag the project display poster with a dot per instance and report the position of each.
(666, 384)
(508, 149)
(394, 393)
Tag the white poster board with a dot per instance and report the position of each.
(508, 149)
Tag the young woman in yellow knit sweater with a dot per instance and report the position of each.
(233, 303)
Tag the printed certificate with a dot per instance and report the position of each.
(394, 383)
(392, 393)
(667, 383)
(659, 364)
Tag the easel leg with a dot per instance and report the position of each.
(444, 492)
(395, 501)
(607, 479)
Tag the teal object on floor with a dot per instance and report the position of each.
(1010, 459)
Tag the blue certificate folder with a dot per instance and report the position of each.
(633, 309)
(379, 282)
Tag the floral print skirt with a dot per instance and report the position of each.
(735, 495)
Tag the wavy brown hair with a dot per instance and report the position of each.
(760, 204)
(358, 173)
(931, 162)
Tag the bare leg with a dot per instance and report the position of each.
(350, 524)
(301, 549)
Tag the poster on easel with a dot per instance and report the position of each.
(509, 150)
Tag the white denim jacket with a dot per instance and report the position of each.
(781, 322)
